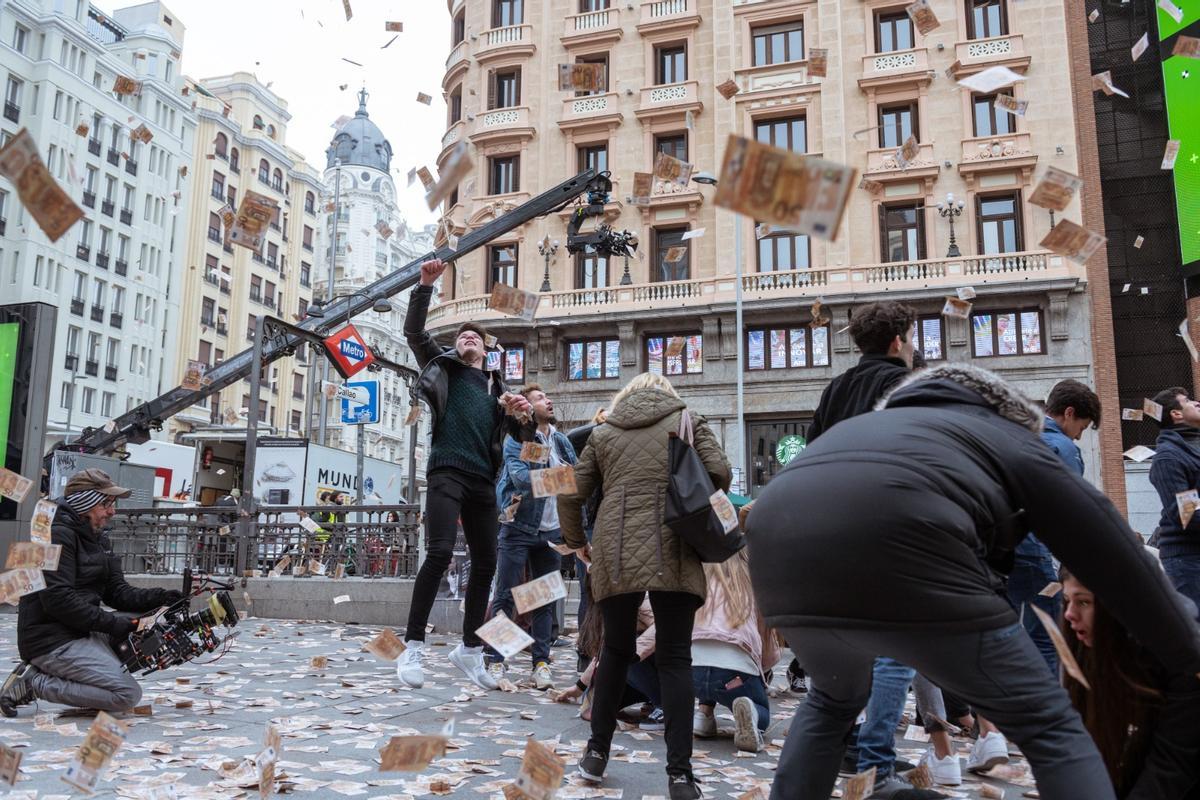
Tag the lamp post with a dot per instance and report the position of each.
(337, 211)
(949, 210)
(708, 179)
(547, 249)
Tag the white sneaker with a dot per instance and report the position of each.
(704, 726)
(746, 735)
(944, 771)
(408, 665)
(542, 679)
(470, 661)
(989, 751)
(498, 671)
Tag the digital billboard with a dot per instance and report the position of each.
(1181, 83)
(9, 338)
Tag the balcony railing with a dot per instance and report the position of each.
(102, 260)
(668, 13)
(505, 41)
(453, 133)
(131, 166)
(71, 362)
(212, 278)
(97, 313)
(218, 193)
(207, 322)
(256, 296)
(94, 146)
(12, 111)
(113, 157)
(901, 65)
(116, 319)
(82, 251)
(91, 368)
(257, 257)
(943, 274)
(502, 119)
(222, 329)
(271, 262)
(3, 225)
(110, 372)
(458, 54)
(589, 107)
(126, 216)
(214, 234)
(882, 160)
(671, 98)
(89, 199)
(77, 306)
(1007, 49)
(107, 207)
(121, 266)
(982, 151)
(592, 25)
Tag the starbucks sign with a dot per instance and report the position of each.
(788, 448)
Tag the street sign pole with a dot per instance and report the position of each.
(361, 442)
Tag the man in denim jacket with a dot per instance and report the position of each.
(527, 530)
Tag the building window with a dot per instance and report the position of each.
(458, 28)
(998, 221)
(504, 89)
(902, 232)
(783, 251)
(502, 265)
(507, 12)
(20, 36)
(1006, 333)
(218, 186)
(593, 156)
(208, 311)
(255, 289)
(504, 175)
(602, 58)
(307, 238)
(89, 400)
(222, 145)
(664, 270)
(456, 104)
(233, 159)
(305, 274)
(593, 5)
(258, 123)
(296, 420)
(787, 133)
(893, 31)
(277, 180)
(897, 123)
(673, 144)
(264, 171)
(986, 18)
(513, 360)
(297, 385)
(989, 120)
(594, 359)
(670, 64)
(775, 44)
(310, 202)
(675, 354)
(784, 348)
(205, 352)
(929, 338)
(591, 271)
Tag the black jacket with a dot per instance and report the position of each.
(438, 364)
(1175, 469)
(856, 391)
(69, 607)
(906, 518)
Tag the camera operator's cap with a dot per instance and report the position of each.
(95, 480)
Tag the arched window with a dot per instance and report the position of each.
(233, 160)
(310, 203)
(264, 171)
(271, 131)
(277, 180)
(222, 145)
(258, 123)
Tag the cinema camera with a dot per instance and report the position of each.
(604, 240)
(180, 634)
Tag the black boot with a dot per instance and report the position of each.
(16, 690)
(683, 787)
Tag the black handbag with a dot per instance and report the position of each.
(689, 512)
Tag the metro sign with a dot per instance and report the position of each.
(348, 351)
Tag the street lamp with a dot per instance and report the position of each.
(951, 209)
(317, 310)
(708, 179)
(547, 249)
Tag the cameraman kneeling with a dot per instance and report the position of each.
(62, 632)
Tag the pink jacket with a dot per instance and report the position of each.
(753, 636)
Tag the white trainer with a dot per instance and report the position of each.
(408, 665)
(542, 679)
(704, 726)
(746, 735)
(470, 661)
(989, 751)
(944, 771)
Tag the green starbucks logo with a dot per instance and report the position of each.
(788, 448)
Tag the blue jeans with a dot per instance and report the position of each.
(877, 738)
(642, 677)
(1184, 574)
(517, 548)
(710, 686)
(1033, 568)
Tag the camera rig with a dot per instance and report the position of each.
(604, 240)
(180, 634)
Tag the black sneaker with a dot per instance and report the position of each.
(16, 690)
(592, 765)
(849, 767)
(683, 787)
(795, 677)
(656, 720)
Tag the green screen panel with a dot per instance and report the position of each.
(1181, 83)
(9, 333)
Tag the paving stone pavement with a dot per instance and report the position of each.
(209, 716)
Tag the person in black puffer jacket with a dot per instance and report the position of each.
(889, 537)
(62, 632)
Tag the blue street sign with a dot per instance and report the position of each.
(361, 413)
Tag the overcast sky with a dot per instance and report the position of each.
(298, 48)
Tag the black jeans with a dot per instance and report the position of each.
(998, 671)
(674, 613)
(451, 496)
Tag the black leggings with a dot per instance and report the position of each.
(674, 613)
(453, 495)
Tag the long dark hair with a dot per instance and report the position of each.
(591, 632)
(1120, 710)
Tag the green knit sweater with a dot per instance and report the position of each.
(463, 439)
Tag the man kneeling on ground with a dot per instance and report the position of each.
(62, 632)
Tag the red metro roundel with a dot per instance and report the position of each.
(349, 352)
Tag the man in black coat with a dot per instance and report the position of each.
(889, 537)
(62, 632)
(1174, 470)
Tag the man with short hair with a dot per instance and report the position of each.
(472, 412)
(1176, 469)
(63, 635)
(1071, 408)
(528, 531)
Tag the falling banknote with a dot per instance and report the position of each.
(50, 206)
(535, 452)
(587, 77)
(386, 645)
(103, 740)
(1006, 102)
(250, 225)
(923, 17)
(513, 301)
(33, 555)
(1056, 189)
(778, 186)
(43, 518)
(539, 592)
(1073, 241)
(669, 168)
(504, 635)
(17, 583)
(411, 753)
(458, 166)
(818, 61)
(553, 481)
(13, 486)
(541, 772)
(643, 183)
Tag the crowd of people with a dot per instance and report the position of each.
(935, 515)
